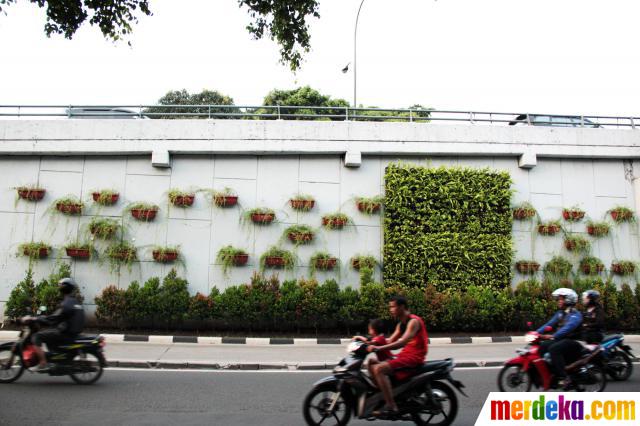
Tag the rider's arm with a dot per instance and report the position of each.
(551, 323)
(396, 334)
(61, 314)
(412, 328)
(573, 322)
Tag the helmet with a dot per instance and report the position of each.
(570, 296)
(67, 285)
(592, 296)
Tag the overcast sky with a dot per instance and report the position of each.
(557, 56)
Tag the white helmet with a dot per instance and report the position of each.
(570, 296)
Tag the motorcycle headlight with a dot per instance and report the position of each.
(531, 337)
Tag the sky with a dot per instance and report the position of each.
(560, 57)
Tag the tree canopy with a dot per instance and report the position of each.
(284, 21)
(183, 97)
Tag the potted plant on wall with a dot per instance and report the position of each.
(335, 220)
(225, 198)
(597, 229)
(558, 266)
(591, 265)
(524, 211)
(105, 197)
(165, 254)
(103, 228)
(323, 261)
(277, 258)
(550, 228)
(623, 267)
(69, 205)
(577, 243)
(369, 205)
(621, 214)
(34, 250)
(359, 261)
(302, 202)
(30, 193)
(230, 256)
(144, 212)
(572, 214)
(259, 215)
(122, 253)
(77, 250)
(181, 198)
(299, 234)
(527, 267)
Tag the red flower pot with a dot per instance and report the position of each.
(527, 267)
(42, 253)
(617, 268)
(122, 255)
(31, 194)
(183, 200)
(240, 259)
(78, 253)
(302, 204)
(110, 200)
(262, 218)
(620, 216)
(590, 269)
(572, 215)
(522, 214)
(548, 229)
(225, 200)
(275, 261)
(144, 214)
(570, 245)
(165, 257)
(326, 264)
(334, 222)
(368, 207)
(69, 208)
(106, 235)
(300, 237)
(355, 264)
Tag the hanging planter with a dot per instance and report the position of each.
(78, 251)
(230, 256)
(577, 243)
(598, 229)
(335, 221)
(260, 215)
(299, 234)
(224, 198)
(69, 206)
(276, 258)
(105, 197)
(302, 202)
(623, 267)
(181, 199)
(572, 214)
(558, 266)
(622, 214)
(143, 212)
(527, 267)
(30, 193)
(591, 265)
(369, 205)
(549, 229)
(103, 228)
(122, 253)
(358, 262)
(165, 254)
(34, 250)
(323, 261)
(523, 211)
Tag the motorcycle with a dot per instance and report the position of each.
(423, 397)
(617, 357)
(82, 359)
(529, 368)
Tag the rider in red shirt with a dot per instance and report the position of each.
(410, 335)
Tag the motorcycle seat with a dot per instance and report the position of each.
(611, 337)
(426, 367)
(83, 338)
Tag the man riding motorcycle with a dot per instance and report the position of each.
(592, 318)
(68, 319)
(411, 335)
(561, 345)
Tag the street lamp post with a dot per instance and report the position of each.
(355, 37)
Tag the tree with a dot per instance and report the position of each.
(303, 97)
(285, 21)
(182, 97)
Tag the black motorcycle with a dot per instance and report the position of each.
(82, 359)
(423, 398)
(617, 357)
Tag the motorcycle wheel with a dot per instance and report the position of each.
(315, 407)
(449, 407)
(619, 366)
(91, 366)
(9, 373)
(593, 379)
(513, 379)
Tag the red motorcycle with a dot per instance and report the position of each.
(519, 374)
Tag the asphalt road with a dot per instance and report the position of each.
(157, 397)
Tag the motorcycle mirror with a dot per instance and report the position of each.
(529, 325)
(42, 309)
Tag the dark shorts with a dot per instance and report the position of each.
(52, 338)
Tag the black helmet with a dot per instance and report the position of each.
(67, 285)
(592, 297)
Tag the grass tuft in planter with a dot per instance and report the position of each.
(180, 198)
(572, 214)
(363, 261)
(577, 244)
(621, 214)
(105, 197)
(277, 258)
(527, 267)
(230, 256)
(299, 234)
(549, 229)
(558, 267)
(591, 265)
(623, 267)
(167, 254)
(103, 228)
(335, 220)
(302, 202)
(259, 216)
(122, 253)
(323, 261)
(144, 212)
(598, 229)
(70, 206)
(34, 250)
(523, 211)
(369, 205)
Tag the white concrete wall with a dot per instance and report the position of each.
(116, 155)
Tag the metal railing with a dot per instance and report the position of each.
(286, 112)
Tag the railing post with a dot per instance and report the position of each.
(633, 124)
(471, 116)
(279, 118)
(410, 116)
(209, 112)
(69, 112)
(140, 111)
(346, 113)
(582, 121)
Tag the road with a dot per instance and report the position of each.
(161, 397)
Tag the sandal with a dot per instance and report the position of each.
(386, 414)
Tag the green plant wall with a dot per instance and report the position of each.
(450, 227)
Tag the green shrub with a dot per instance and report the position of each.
(111, 305)
(200, 307)
(173, 298)
(628, 308)
(328, 304)
(289, 304)
(22, 300)
(372, 303)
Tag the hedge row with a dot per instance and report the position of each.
(449, 227)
